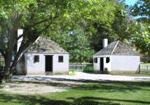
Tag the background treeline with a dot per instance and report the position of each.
(82, 31)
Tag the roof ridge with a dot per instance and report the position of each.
(114, 48)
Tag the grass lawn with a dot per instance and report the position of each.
(89, 69)
(72, 73)
(145, 64)
(104, 93)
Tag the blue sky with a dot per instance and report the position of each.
(131, 2)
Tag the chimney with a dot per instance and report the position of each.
(105, 42)
(19, 32)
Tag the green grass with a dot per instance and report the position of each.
(145, 64)
(89, 69)
(104, 93)
(71, 73)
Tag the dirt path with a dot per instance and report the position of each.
(30, 88)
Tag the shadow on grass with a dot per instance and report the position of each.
(41, 100)
(89, 69)
(107, 86)
(30, 100)
(116, 86)
(108, 101)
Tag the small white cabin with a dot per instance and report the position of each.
(116, 58)
(44, 57)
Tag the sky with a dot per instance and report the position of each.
(131, 2)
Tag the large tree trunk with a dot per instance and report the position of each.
(10, 65)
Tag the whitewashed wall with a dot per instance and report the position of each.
(35, 67)
(96, 65)
(39, 67)
(61, 67)
(125, 63)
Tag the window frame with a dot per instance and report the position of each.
(36, 58)
(61, 59)
(95, 60)
(107, 59)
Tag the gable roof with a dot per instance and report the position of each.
(45, 45)
(117, 48)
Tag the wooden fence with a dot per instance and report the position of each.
(77, 67)
(144, 69)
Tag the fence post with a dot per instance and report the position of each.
(73, 68)
(139, 69)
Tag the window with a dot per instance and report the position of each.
(60, 59)
(36, 58)
(107, 60)
(95, 60)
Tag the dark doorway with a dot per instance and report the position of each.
(48, 63)
(101, 64)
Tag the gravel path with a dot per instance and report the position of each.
(30, 88)
(79, 77)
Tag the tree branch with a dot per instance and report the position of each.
(45, 20)
(22, 49)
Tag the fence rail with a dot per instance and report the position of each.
(78, 67)
(144, 69)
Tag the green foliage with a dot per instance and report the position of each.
(80, 47)
(35, 17)
(140, 37)
(76, 44)
(142, 8)
(117, 30)
(97, 20)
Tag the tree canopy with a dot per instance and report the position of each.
(141, 30)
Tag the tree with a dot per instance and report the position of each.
(118, 29)
(34, 17)
(141, 28)
(141, 9)
(140, 37)
(79, 46)
(85, 16)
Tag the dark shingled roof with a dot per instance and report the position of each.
(45, 45)
(117, 48)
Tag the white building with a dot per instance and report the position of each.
(44, 57)
(116, 58)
